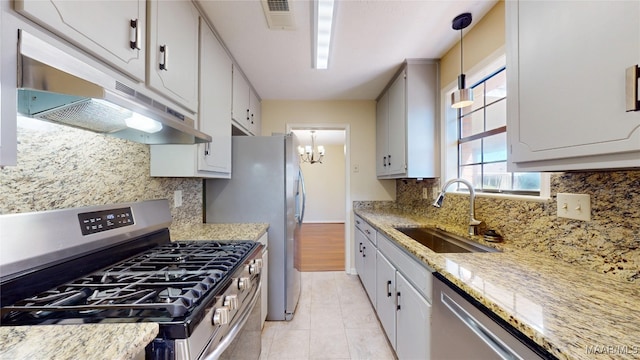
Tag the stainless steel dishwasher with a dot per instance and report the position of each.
(462, 330)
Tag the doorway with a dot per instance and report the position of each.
(322, 240)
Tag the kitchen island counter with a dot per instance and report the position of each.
(87, 341)
(572, 312)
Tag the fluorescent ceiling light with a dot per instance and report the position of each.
(143, 123)
(323, 26)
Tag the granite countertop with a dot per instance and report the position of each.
(219, 231)
(107, 341)
(87, 341)
(571, 312)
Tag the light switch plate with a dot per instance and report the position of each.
(574, 206)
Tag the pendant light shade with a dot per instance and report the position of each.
(462, 97)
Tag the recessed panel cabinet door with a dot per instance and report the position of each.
(386, 297)
(397, 141)
(215, 104)
(114, 31)
(413, 328)
(566, 67)
(173, 51)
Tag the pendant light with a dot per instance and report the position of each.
(461, 97)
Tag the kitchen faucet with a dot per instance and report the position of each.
(473, 223)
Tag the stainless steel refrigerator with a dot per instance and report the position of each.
(266, 186)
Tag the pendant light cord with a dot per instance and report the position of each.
(461, 54)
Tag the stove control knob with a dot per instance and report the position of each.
(255, 267)
(231, 301)
(244, 283)
(220, 316)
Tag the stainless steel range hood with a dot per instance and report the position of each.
(57, 87)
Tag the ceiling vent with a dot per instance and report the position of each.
(279, 14)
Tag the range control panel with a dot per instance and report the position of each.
(97, 221)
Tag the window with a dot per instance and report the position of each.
(482, 141)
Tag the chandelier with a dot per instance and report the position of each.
(311, 154)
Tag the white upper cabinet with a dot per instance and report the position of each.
(210, 160)
(114, 31)
(215, 104)
(173, 51)
(566, 65)
(406, 114)
(255, 113)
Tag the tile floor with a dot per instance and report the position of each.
(334, 320)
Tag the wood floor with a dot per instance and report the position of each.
(321, 247)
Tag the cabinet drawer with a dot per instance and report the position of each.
(417, 274)
(367, 229)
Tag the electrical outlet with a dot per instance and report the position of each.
(574, 206)
(356, 168)
(177, 198)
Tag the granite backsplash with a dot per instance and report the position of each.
(63, 167)
(609, 243)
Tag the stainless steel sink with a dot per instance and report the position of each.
(443, 242)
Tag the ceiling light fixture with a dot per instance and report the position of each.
(323, 24)
(311, 154)
(461, 97)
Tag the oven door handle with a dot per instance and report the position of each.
(231, 335)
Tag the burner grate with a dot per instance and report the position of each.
(167, 280)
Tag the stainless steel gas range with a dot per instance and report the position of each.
(107, 264)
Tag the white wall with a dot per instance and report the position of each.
(326, 187)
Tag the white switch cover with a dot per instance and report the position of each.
(574, 206)
(177, 198)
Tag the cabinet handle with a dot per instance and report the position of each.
(358, 222)
(389, 162)
(384, 161)
(134, 35)
(164, 52)
(398, 301)
(368, 232)
(632, 76)
(207, 149)
(247, 114)
(389, 288)
(363, 253)
(360, 247)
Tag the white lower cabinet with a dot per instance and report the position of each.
(403, 309)
(365, 256)
(413, 321)
(386, 297)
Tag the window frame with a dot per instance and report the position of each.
(449, 134)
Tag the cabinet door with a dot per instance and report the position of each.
(382, 128)
(369, 260)
(240, 109)
(566, 83)
(173, 51)
(111, 30)
(254, 113)
(397, 126)
(413, 322)
(359, 244)
(386, 296)
(215, 104)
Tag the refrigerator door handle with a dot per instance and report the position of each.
(304, 197)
